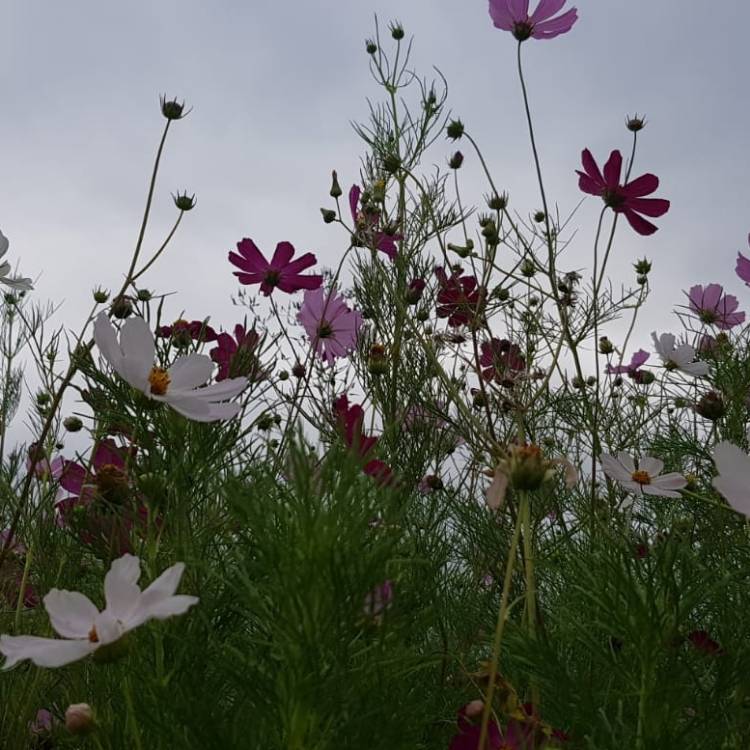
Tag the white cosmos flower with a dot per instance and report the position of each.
(733, 481)
(133, 360)
(647, 479)
(680, 357)
(14, 282)
(84, 629)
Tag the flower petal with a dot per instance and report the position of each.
(121, 590)
(614, 468)
(189, 372)
(652, 466)
(72, 614)
(546, 9)
(44, 652)
(612, 169)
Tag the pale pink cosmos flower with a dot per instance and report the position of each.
(632, 370)
(333, 328)
(742, 269)
(513, 16)
(713, 307)
(733, 480)
(646, 479)
(680, 357)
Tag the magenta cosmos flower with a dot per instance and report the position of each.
(183, 332)
(366, 226)
(633, 369)
(501, 361)
(458, 299)
(281, 272)
(513, 16)
(332, 327)
(236, 355)
(714, 307)
(625, 199)
(742, 268)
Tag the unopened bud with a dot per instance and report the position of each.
(184, 202)
(528, 268)
(377, 363)
(635, 123)
(172, 109)
(397, 31)
(144, 295)
(122, 307)
(605, 345)
(454, 130)
(539, 217)
(328, 216)
(335, 191)
(79, 718)
(498, 202)
(415, 291)
(72, 424)
(391, 163)
(456, 160)
(711, 406)
(642, 267)
(371, 47)
(298, 370)
(101, 296)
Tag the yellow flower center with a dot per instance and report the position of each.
(642, 477)
(159, 380)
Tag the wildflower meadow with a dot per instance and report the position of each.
(449, 492)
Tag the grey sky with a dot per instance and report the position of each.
(274, 86)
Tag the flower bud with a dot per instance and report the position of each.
(456, 160)
(498, 202)
(335, 191)
(284, 375)
(122, 307)
(101, 296)
(423, 315)
(184, 201)
(298, 370)
(528, 268)
(79, 718)
(642, 280)
(72, 424)
(328, 216)
(371, 47)
(264, 422)
(143, 295)
(635, 123)
(377, 362)
(605, 345)
(501, 293)
(454, 130)
(415, 291)
(711, 406)
(642, 267)
(172, 109)
(539, 217)
(397, 31)
(391, 163)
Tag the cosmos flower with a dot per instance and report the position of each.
(331, 326)
(281, 272)
(183, 332)
(513, 16)
(132, 358)
(366, 226)
(469, 729)
(680, 357)
(458, 299)
(702, 641)
(625, 199)
(733, 480)
(713, 307)
(14, 282)
(742, 269)
(647, 479)
(236, 355)
(378, 600)
(501, 361)
(633, 369)
(84, 629)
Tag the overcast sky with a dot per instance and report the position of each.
(274, 87)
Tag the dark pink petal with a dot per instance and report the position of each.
(354, 194)
(72, 478)
(612, 170)
(302, 263)
(546, 9)
(282, 255)
(711, 296)
(588, 184)
(638, 359)
(591, 167)
(648, 206)
(108, 453)
(249, 250)
(291, 284)
(387, 245)
(555, 27)
(742, 269)
(249, 278)
(730, 321)
(728, 305)
(519, 9)
(643, 185)
(500, 15)
(638, 223)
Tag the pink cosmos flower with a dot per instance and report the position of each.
(633, 369)
(366, 223)
(625, 199)
(182, 333)
(458, 298)
(378, 600)
(501, 361)
(713, 307)
(743, 266)
(701, 640)
(41, 465)
(236, 354)
(469, 729)
(281, 272)
(331, 326)
(513, 16)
